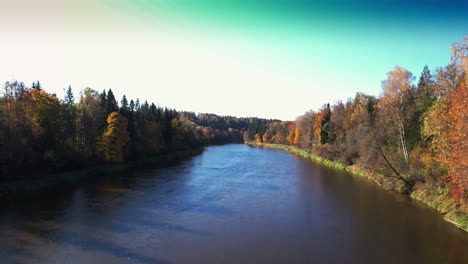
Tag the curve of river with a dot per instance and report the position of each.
(231, 204)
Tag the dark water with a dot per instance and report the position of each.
(231, 204)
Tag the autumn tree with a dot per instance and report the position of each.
(245, 136)
(435, 132)
(273, 131)
(458, 122)
(337, 135)
(393, 124)
(396, 108)
(258, 138)
(297, 136)
(182, 134)
(305, 124)
(112, 142)
(358, 133)
(318, 119)
(292, 135)
(90, 117)
(47, 119)
(458, 141)
(282, 136)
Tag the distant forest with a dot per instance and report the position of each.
(413, 134)
(40, 133)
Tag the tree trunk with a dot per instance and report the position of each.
(404, 146)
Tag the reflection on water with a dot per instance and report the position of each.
(231, 204)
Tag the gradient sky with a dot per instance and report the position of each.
(267, 58)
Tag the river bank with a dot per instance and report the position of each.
(438, 199)
(26, 187)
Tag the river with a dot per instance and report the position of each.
(230, 204)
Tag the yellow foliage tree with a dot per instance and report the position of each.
(297, 135)
(114, 139)
(183, 133)
(45, 112)
(265, 138)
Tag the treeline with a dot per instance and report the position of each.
(220, 129)
(40, 133)
(414, 134)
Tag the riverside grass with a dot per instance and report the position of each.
(438, 199)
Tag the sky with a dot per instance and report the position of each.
(264, 58)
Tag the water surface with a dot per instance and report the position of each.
(231, 204)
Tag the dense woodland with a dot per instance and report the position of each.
(414, 133)
(41, 133)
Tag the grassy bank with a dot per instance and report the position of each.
(439, 199)
(30, 186)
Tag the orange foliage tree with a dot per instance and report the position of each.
(297, 135)
(318, 126)
(457, 117)
(258, 138)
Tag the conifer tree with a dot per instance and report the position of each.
(69, 98)
(112, 105)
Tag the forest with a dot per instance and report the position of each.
(43, 134)
(414, 134)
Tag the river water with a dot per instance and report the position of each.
(231, 204)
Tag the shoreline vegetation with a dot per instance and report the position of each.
(440, 200)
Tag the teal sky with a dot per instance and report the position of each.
(274, 59)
